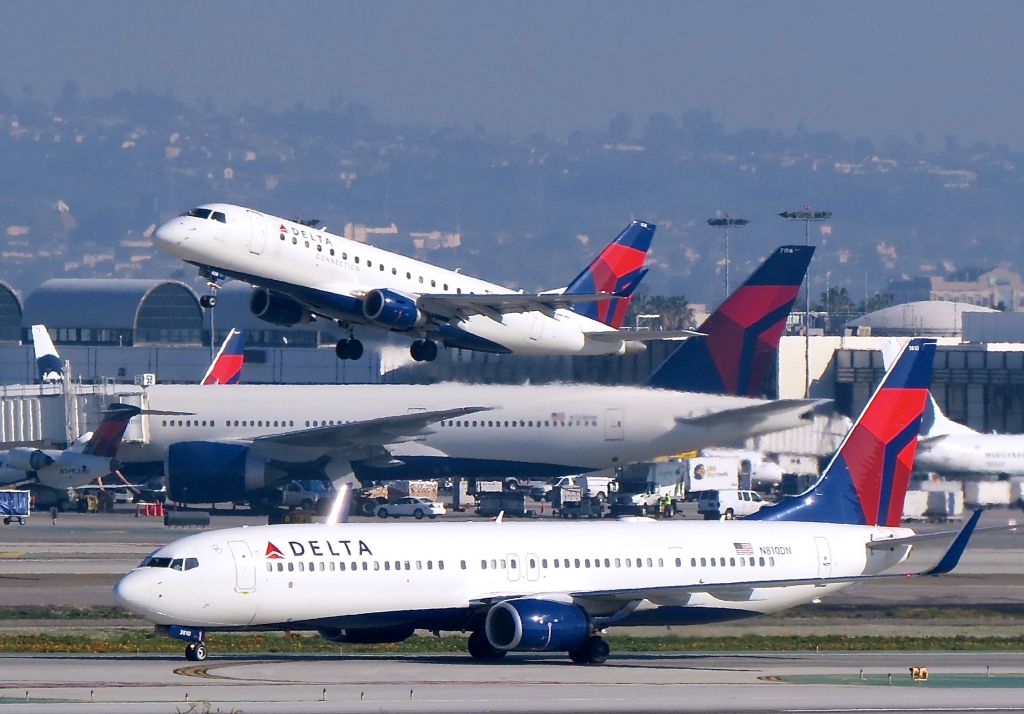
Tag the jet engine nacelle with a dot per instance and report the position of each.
(392, 309)
(26, 459)
(278, 308)
(527, 624)
(367, 636)
(208, 472)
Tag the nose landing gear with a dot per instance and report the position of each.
(195, 651)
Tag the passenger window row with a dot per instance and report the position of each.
(331, 566)
(518, 423)
(229, 422)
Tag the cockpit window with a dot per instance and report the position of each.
(173, 564)
(203, 213)
(218, 216)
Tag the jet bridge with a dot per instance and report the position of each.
(54, 415)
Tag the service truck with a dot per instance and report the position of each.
(644, 486)
(711, 473)
(14, 506)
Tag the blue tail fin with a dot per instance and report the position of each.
(226, 367)
(47, 361)
(866, 480)
(618, 269)
(742, 334)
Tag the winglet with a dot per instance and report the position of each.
(956, 548)
(47, 359)
(339, 512)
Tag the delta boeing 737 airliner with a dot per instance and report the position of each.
(554, 586)
(301, 271)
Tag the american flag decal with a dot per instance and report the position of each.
(743, 548)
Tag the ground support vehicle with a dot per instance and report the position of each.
(650, 489)
(511, 503)
(413, 506)
(729, 503)
(15, 506)
(585, 507)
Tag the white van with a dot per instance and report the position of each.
(729, 504)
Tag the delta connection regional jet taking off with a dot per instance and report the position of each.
(555, 586)
(240, 442)
(301, 271)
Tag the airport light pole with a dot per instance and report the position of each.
(807, 215)
(725, 222)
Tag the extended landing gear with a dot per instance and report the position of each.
(481, 649)
(208, 301)
(349, 349)
(195, 651)
(423, 350)
(594, 650)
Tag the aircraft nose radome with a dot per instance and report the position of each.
(170, 234)
(133, 593)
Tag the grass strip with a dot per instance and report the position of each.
(138, 640)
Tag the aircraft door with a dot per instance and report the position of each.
(513, 567)
(532, 566)
(537, 327)
(257, 232)
(614, 425)
(824, 557)
(245, 566)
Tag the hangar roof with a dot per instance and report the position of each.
(927, 317)
(114, 303)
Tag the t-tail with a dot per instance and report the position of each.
(226, 367)
(106, 440)
(47, 360)
(617, 270)
(742, 335)
(866, 481)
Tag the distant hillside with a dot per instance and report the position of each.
(84, 181)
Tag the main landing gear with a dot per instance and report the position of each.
(195, 651)
(423, 350)
(593, 650)
(348, 347)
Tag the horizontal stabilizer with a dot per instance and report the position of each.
(755, 413)
(641, 335)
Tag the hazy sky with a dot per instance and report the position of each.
(875, 69)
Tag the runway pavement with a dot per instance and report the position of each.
(628, 683)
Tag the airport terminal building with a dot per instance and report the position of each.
(118, 335)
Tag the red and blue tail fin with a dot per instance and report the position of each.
(617, 270)
(226, 367)
(106, 440)
(742, 334)
(866, 480)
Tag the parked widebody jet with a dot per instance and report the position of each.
(240, 443)
(301, 271)
(554, 586)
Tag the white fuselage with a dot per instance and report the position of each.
(433, 575)
(332, 273)
(983, 455)
(528, 430)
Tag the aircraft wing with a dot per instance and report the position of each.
(365, 433)
(641, 335)
(754, 414)
(447, 306)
